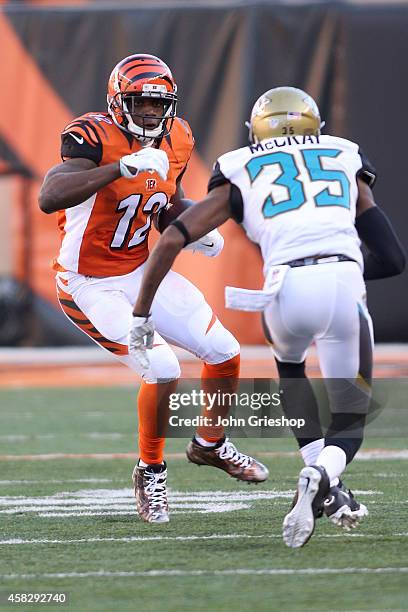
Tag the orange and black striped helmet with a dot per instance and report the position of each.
(147, 76)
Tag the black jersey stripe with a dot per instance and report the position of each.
(87, 125)
(84, 125)
(89, 128)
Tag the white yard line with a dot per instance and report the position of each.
(119, 502)
(117, 509)
(92, 435)
(311, 571)
(125, 495)
(101, 456)
(227, 536)
(381, 453)
(67, 480)
(365, 455)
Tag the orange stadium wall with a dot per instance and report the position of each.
(223, 58)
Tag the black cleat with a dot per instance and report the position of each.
(342, 509)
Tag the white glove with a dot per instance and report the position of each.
(141, 338)
(145, 160)
(211, 244)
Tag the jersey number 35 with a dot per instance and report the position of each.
(289, 178)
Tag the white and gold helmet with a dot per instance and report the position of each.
(284, 111)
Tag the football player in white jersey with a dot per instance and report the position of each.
(306, 199)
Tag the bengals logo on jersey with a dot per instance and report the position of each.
(151, 184)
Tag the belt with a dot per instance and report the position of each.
(318, 259)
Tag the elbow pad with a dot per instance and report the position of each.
(386, 255)
(210, 245)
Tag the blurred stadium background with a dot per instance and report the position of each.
(56, 58)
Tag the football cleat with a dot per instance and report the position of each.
(151, 493)
(299, 523)
(342, 508)
(225, 456)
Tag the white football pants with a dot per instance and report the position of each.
(324, 303)
(102, 308)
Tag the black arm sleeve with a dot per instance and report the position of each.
(76, 146)
(386, 255)
(236, 202)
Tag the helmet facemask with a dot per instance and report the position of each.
(129, 118)
(136, 78)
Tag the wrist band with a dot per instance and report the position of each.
(182, 228)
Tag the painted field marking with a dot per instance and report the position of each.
(91, 435)
(218, 536)
(365, 455)
(381, 453)
(310, 571)
(52, 481)
(117, 502)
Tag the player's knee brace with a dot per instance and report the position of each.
(346, 431)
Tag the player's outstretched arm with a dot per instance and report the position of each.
(197, 221)
(73, 182)
(386, 255)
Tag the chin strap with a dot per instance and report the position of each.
(145, 141)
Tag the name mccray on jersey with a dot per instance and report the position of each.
(296, 196)
(107, 235)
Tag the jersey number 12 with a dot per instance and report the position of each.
(130, 206)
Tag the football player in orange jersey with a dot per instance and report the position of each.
(120, 169)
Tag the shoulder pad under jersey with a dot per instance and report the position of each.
(180, 139)
(85, 136)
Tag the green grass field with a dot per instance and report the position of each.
(69, 524)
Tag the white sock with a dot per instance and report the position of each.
(311, 451)
(203, 442)
(141, 463)
(334, 482)
(333, 459)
